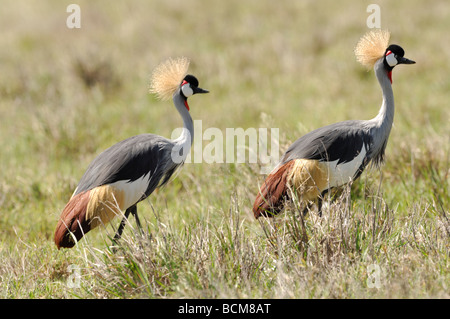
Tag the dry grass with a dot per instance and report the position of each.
(287, 257)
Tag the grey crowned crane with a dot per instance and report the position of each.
(129, 171)
(336, 154)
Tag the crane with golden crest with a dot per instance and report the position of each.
(336, 154)
(128, 172)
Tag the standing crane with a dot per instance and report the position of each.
(336, 154)
(129, 171)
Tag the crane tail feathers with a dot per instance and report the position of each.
(268, 202)
(73, 224)
(86, 211)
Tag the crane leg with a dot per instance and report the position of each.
(133, 211)
(319, 206)
(122, 225)
(305, 210)
(319, 202)
(135, 214)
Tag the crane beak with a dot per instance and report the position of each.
(200, 90)
(403, 60)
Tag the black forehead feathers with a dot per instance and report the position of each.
(396, 49)
(192, 80)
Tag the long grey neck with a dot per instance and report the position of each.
(380, 126)
(184, 142)
(385, 116)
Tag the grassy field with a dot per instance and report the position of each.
(67, 94)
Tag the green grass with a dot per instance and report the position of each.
(66, 95)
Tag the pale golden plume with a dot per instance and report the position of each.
(167, 77)
(371, 47)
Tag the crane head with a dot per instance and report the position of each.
(171, 76)
(393, 56)
(189, 86)
(374, 45)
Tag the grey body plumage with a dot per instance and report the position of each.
(129, 160)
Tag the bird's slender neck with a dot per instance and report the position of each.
(385, 116)
(380, 126)
(187, 135)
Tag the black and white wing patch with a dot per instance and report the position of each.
(343, 146)
(129, 160)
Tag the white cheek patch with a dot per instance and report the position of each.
(391, 60)
(187, 90)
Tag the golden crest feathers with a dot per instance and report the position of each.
(167, 77)
(371, 47)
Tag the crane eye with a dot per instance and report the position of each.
(187, 90)
(391, 59)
